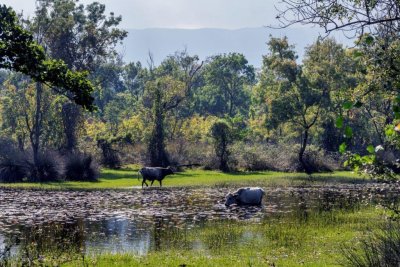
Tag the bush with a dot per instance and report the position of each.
(80, 167)
(381, 249)
(110, 157)
(251, 157)
(49, 168)
(13, 168)
(320, 161)
(13, 162)
(277, 157)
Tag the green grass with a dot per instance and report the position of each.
(127, 178)
(287, 241)
(290, 240)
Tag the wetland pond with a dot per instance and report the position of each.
(143, 221)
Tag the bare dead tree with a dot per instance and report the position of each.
(352, 16)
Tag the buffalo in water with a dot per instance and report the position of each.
(245, 196)
(154, 173)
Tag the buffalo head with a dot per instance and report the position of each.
(230, 199)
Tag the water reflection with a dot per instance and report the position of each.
(154, 220)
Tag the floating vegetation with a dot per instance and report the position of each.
(141, 221)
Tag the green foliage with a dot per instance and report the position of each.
(226, 77)
(80, 167)
(380, 249)
(222, 135)
(156, 146)
(19, 52)
(49, 167)
(348, 132)
(342, 148)
(82, 36)
(172, 107)
(339, 122)
(110, 157)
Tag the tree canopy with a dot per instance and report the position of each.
(19, 52)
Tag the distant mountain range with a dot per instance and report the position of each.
(207, 42)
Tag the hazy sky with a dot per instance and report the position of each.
(139, 14)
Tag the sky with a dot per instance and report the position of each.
(184, 14)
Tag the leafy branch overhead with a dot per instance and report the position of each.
(19, 52)
(348, 15)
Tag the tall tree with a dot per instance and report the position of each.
(19, 52)
(83, 36)
(226, 78)
(169, 86)
(376, 24)
(291, 98)
(332, 69)
(222, 135)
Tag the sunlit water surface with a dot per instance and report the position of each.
(141, 221)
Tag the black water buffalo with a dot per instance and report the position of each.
(154, 173)
(245, 196)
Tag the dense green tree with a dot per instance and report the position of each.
(84, 38)
(376, 24)
(290, 96)
(332, 69)
(222, 135)
(226, 78)
(19, 52)
(134, 78)
(169, 86)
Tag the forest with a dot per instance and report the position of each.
(334, 109)
(291, 163)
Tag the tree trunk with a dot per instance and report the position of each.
(157, 153)
(223, 161)
(71, 115)
(35, 141)
(34, 134)
(302, 150)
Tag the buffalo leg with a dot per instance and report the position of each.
(160, 182)
(144, 182)
(152, 183)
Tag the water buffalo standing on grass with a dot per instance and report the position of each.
(245, 196)
(154, 173)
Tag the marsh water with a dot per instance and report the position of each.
(141, 221)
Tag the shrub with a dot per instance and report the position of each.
(80, 167)
(13, 168)
(251, 157)
(13, 164)
(110, 157)
(380, 249)
(278, 157)
(320, 161)
(7, 147)
(49, 168)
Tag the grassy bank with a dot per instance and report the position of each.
(128, 178)
(316, 240)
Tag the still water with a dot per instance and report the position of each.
(141, 221)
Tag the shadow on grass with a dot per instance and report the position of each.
(267, 173)
(183, 174)
(118, 174)
(318, 178)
